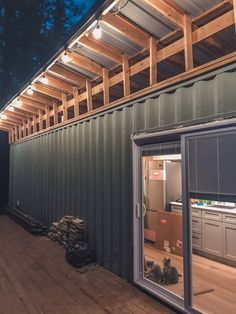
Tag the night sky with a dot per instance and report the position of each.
(31, 31)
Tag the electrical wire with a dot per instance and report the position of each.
(121, 6)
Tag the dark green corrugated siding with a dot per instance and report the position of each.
(86, 169)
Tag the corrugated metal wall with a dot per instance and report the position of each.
(86, 169)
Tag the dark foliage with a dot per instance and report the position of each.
(30, 32)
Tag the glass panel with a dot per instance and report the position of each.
(163, 236)
(213, 256)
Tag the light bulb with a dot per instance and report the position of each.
(11, 108)
(17, 103)
(97, 32)
(44, 80)
(30, 91)
(65, 58)
(3, 116)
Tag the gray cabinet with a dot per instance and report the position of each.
(229, 238)
(196, 225)
(196, 241)
(212, 241)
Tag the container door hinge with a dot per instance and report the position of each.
(138, 210)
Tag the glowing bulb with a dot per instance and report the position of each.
(3, 116)
(11, 108)
(65, 58)
(44, 80)
(97, 32)
(30, 91)
(17, 103)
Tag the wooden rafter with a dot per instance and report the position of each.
(167, 10)
(58, 84)
(127, 29)
(153, 61)
(68, 74)
(32, 103)
(46, 90)
(85, 63)
(25, 109)
(102, 48)
(43, 99)
(188, 43)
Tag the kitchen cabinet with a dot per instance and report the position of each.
(196, 241)
(196, 225)
(229, 238)
(212, 239)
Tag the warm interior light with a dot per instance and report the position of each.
(65, 58)
(30, 91)
(44, 80)
(97, 32)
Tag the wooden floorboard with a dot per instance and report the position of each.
(35, 278)
(217, 280)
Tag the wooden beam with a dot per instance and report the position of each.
(76, 101)
(4, 128)
(234, 9)
(16, 133)
(55, 113)
(23, 112)
(102, 48)
(126, 76)
(12, 119)
(127, 29)
(29, 123)
(32, 103)
(26, 109)
(68, 74)
(40, 120)
(167, 11)
(85, 63)
(34, 124)
(64, 105)
(89, 96)
(106, 96)
(14, 116)
(188, 43)
(46, 90)
(24, 129)
(153, 61)
(58, 84)
(47, 118)
(42, 99)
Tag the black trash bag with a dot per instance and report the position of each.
(80, 254)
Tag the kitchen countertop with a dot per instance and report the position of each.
(210, 208)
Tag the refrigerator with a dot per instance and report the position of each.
(161, 185)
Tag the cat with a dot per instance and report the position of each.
(171, 275)
(153, 272)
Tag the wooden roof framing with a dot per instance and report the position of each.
(68, 88)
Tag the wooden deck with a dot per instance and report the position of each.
(35, 278)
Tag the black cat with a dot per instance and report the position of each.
(153, 271)
(171, 275)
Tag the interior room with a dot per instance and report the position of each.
(213, 234)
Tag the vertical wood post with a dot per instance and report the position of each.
(188, 43)
(89, 95)
(29, 126)
(24, 128)
(20, 131)
(40, 120)
(64, 106)
(76, 101)
(153, 60)
(55, 110)
(106, 96)
(126, 75)
(34, 124)
(234, 8)
(47, 117)
(16, 133)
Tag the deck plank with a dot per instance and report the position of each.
(35, 278)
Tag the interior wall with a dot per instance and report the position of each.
(4, 169)
(86, 169)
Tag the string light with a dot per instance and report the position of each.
(30, 91)
(44, 80)
(11, 108)
(65, 58)
(17, 103)
(3, 116)
(97, 31)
